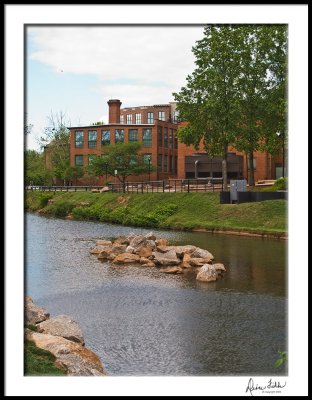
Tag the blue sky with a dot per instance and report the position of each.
(76, 70)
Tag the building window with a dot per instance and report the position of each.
(147, 158)
(133, 135)
(129, 119)
(150, 118)
(105, 138)
(119, 135)
(175, 138)
(159, 162)
(133, 160)
(166, 138)
(91, 158)
(121, 119)
(165, 163)
(159, 136)
(161, 115)
(175, 165)
(147, 138)
(138, 118)
(170, 163)
(79, 139)
(175, 117)
(79, 160)
(170, 138)
(92, 139)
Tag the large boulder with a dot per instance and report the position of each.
(201, 253)
(142, 245)
(161, 242)
(198, 262)
(207, 273)
(126, 258)
(150, 236)
(33, 313)
(122, 240)
(180, 250)
(168, 258)
(76, 359)
(219, 267)
(98, 249)
(63, 326)
(110, 252)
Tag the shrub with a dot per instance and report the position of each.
(281, 184)
(61, 209)
(44, 198)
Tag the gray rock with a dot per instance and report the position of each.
(207, 273)
(33, 313)
(168, 258)
(126, 258)
(150, 236)
(201, 253)
(64, 326)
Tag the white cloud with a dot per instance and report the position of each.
(147, 55)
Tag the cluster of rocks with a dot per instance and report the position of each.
(62, 337)
(148, 251)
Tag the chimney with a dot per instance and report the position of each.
(114, 111)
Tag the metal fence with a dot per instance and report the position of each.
(163, 186)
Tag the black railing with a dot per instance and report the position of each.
(164, 186)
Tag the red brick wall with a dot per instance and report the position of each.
(143, 111)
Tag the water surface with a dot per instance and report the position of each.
(142, 322)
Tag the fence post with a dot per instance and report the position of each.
(163, 186)
(142, 187)
(188, 186)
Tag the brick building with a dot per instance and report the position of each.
(156, 128)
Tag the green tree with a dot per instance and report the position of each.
(121, 160)
(261, 96)
(67, 173)
(55, 143)
(35, 172)
(277, 107)
(209, 100)
(236, 94)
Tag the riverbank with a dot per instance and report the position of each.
(176, 211)
(55, 345)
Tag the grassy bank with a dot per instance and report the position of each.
(186, 211)
(39, 362)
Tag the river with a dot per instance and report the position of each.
(141, 322)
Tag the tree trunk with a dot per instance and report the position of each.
(224, 168)
(251, 170)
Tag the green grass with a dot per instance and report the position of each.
(39, 362)
(166, 210)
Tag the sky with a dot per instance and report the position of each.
(76, 70)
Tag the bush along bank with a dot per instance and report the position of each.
(55, 346)
(182, 211)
